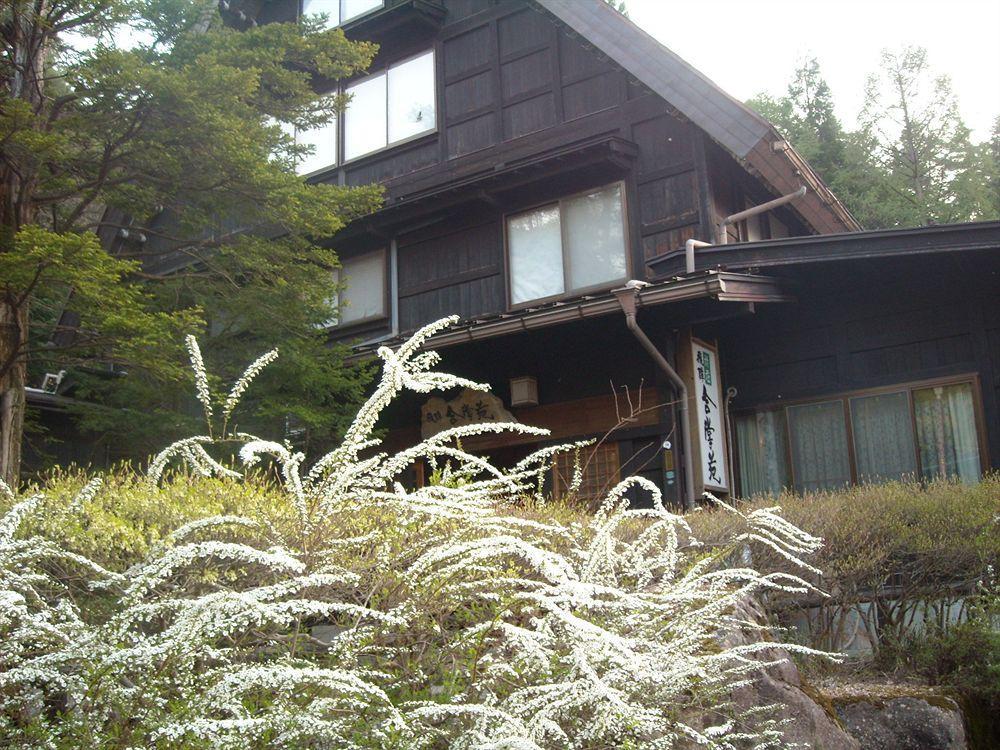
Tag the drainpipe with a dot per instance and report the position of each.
(628, 298)
(721, 237)
(689, 247)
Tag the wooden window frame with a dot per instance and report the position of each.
(342, 159)
(567, 293)
(386, 301)
(971, 379)
(337, 123)
(340, 13)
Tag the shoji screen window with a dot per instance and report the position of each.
(363, 294)
(574, 245)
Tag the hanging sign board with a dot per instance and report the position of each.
(708, 411)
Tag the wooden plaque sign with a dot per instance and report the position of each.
(469, 407)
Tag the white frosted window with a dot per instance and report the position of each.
(595, 237)
(328, 8)
(535, 243)
(411, 97)
(363, 295)
(364, 120)
(323, 141)
(355, 8)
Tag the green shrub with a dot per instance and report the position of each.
(908, 548)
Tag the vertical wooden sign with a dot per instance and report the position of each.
(707, 406)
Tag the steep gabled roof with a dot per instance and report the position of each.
(747, 136)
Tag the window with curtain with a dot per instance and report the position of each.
(946, 432)
(817, 435)
(883, 437)
(362, 295)
(390, 106)
(567, 247)
(909, 432)
(339, 11)
(762, 448)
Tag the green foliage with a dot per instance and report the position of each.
(126, 517)
(898, 545)
(162, 120)
(910, 162)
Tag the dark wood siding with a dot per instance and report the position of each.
(459, 270)
(866, 325)
(515, 84)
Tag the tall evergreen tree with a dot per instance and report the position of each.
(911, 128)
(910, 162)
(185, 117)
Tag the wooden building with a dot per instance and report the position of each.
(539, 155)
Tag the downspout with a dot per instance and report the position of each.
(721, 236)
(689, 247)
(628, 298)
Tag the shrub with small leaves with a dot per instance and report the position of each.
(370, 614)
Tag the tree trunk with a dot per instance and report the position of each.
(13, 341)
(24, 36)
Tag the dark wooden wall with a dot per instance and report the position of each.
(869, 324)
(513, 84)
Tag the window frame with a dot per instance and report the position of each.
(384, 71)
(567, 293)
(386, 300)
(341, 21)
(971, 379)
(336, 124)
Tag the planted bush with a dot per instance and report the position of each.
(903, 557)
(448, 619)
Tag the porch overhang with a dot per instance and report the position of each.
(721, 286)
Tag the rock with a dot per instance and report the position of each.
(905, 723)
(809, 721)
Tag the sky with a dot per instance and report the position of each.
(749, 46)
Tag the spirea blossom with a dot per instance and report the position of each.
(391, 616)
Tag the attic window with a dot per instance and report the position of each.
(338, 12)
(391, 106)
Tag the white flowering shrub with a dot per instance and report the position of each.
(375, 615)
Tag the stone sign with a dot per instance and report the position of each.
(469, 407)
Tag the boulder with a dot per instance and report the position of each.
(905, 723)
(808, 720)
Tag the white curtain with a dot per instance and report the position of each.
(763, 453)
(818, 436)
(946, 430)
(364, 293)
(883, 437)
(596, 237)
(364, 118)
(411, 97)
